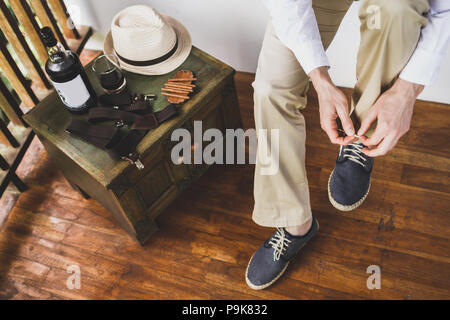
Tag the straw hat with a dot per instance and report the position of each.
(147, 42)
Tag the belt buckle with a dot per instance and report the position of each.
(134, 159)
(150, 97)
(120, 124)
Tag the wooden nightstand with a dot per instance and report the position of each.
(136, 197)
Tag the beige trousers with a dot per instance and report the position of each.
(280, 87)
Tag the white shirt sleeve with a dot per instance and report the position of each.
(423, 66)
(296, 26)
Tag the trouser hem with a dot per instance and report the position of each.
(280, 223)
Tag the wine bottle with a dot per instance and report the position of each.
(67, 75)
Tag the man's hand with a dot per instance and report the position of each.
(332, 105)
(393, 111)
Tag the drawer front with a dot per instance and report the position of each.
(154, 184)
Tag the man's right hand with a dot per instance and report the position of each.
(332, 105)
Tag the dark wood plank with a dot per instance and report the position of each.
(426, 178)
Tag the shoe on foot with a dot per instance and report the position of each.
(270, 261)
(349, 183)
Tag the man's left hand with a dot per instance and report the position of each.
(393, 111)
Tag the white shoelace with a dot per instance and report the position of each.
(279, 243)
(357, 153)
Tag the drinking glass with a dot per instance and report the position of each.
(107, 68)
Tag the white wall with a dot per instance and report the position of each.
(233, 30)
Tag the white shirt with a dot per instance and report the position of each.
(296, 26)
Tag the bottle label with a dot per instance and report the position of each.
(73, 93)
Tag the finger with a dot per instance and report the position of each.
(346, 121)
(364, 140)
(375, 139)
(332, 133)
(382, 149)
(367, 122)
(343, 141)
(349, 139)
(331, 129)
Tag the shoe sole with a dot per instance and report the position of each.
(343, 207)
(263, 286)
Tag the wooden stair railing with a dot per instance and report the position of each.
(23, 82)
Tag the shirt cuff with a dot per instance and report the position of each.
(423, 67)
(310, 55)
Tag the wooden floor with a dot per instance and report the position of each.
(207, 236)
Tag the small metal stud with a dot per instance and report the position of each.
(150, 97)
(120, 124)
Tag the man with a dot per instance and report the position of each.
(402, 45)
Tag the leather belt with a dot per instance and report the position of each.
(137, 116)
